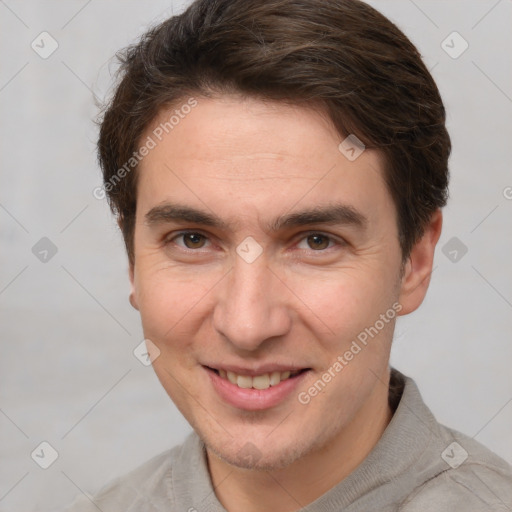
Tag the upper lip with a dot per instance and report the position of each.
(256, 370)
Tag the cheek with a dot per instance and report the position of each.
(169, 300)
(345, 301)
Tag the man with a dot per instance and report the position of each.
(277, 169)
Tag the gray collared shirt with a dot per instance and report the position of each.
(418, 465)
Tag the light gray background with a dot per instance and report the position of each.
(68, 375)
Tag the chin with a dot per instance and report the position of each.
(262, 450)
(249, 456)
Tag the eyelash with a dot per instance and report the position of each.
(331, 239)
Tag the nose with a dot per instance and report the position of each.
(251, 305)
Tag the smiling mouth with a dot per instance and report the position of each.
(263, 381)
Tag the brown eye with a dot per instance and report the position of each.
(318, 242)
(193, 240)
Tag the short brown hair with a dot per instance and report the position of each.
(339, 55)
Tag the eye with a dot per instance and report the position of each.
(189, 240)
(317, 242)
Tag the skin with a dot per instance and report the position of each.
(300, 303)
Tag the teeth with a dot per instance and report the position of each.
(244, 381)
(275, 378)
(259, 382)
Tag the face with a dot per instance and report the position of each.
(262, 253)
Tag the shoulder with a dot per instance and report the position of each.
(472, 478)
(147, 487)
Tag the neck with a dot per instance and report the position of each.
(292, 488)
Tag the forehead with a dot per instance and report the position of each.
(246, 155)
(243, 128)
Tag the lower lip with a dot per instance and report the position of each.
(254, 399)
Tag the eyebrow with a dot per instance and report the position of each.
(330, 214)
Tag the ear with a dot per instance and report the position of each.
(418, 267)
(133, 298)
(131, 272)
